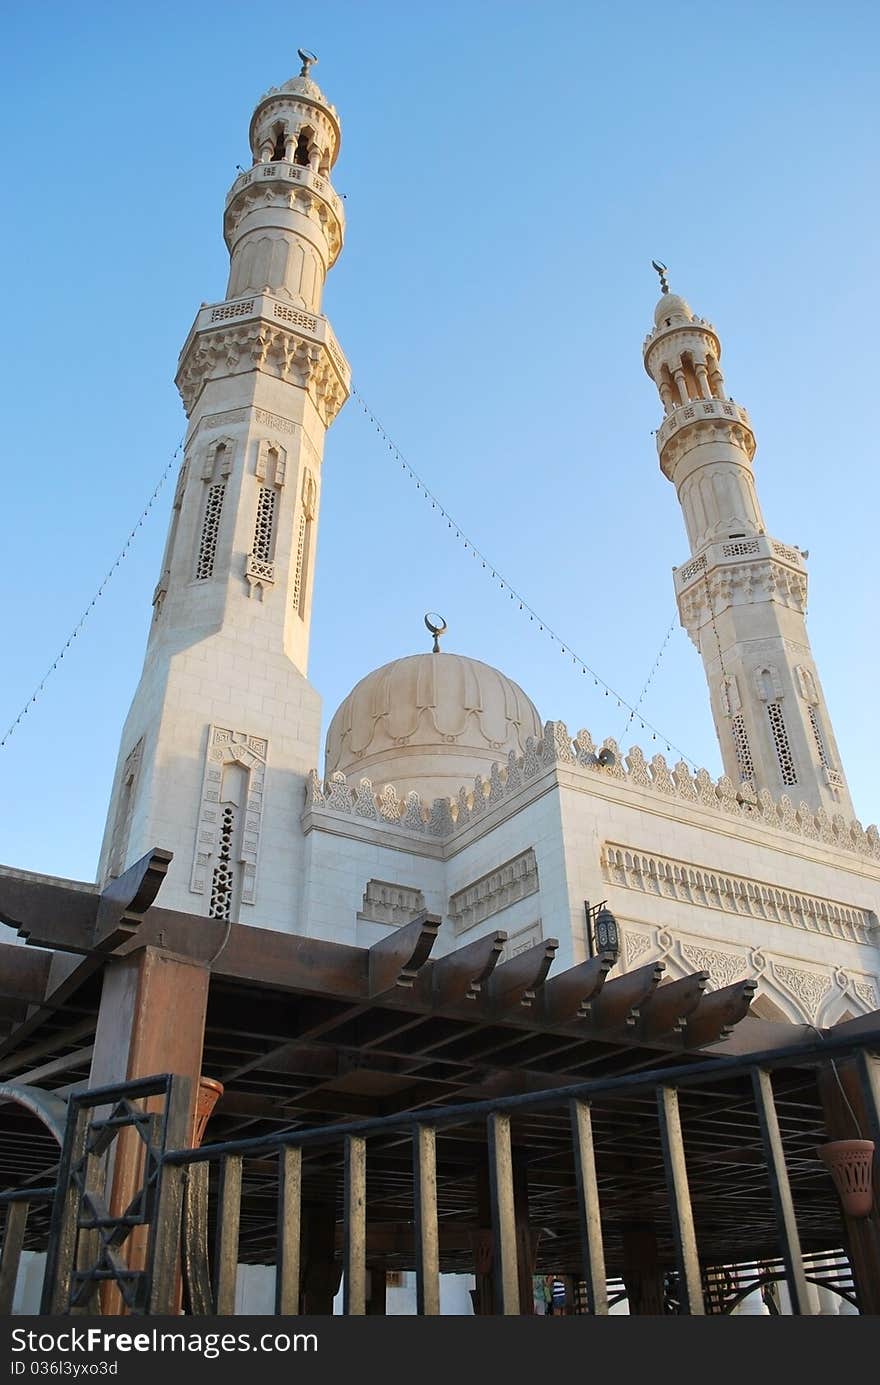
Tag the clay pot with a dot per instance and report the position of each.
(850, 1164)
(208, 1095)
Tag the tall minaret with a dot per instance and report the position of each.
(742, 597)
(224, 724)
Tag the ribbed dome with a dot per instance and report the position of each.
(429, 722)
(671, 305)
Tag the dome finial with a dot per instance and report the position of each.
(308, 60)
(437, 626)
(662, 271)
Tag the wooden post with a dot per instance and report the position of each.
(783, 1205)
(503, 1215)
(642, 1271)
(427, 1233)
(691, 1298)
(588, 1206)
(287, 1271)
(321, 1273)
(354, 1297)
(13, 1238)
(226, 1253)
(151, 1020)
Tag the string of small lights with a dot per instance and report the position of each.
(650, 678)
(512, 592)
(98, 594)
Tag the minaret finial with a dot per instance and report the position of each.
(437, 626)
(308, 60)
(662, 271)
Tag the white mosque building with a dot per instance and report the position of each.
(441, 785)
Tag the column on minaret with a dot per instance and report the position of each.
(224, 725)
(742, 594)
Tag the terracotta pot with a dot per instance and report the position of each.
(850, 1164)
(208, 1095)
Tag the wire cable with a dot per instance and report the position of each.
(513, 593)
(98, 594)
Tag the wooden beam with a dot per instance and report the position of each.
(49, 912)
(126, 899)
(718, 1013)
(228, 1218)
(613, 1008)
(567, 995)
(24, 973)
(397, 959)
(665, 1010)
(516, 983)
(463, 973)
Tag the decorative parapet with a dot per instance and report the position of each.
(697, 410)
(385, 902)
(447, 816)
(735, 894)
(483, 898)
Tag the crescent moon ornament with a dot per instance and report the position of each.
(437, 626)
(662, 271)
(308, 60)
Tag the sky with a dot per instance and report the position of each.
(509, 171)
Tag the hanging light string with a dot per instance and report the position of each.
(512, 592)
(98, 594)
(650, 678)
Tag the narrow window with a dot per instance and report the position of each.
(210, 530)
(217, 467)
(264, 529)
(299, 586)
(818, 736)
(783, 747)
(225, 885)
(742, 750)
(223, 881)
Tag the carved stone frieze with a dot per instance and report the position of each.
(807, 987)
(280, 351)
(734, 894)
(723, 967)
(515, 880)
(740, 585)
(385, 902)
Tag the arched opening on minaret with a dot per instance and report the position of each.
(279, 135)
(303, 143)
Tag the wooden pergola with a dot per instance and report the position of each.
(306, 1034)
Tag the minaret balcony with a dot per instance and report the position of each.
(296, 173)
(740, 552)
(695, 411)
(237, 324)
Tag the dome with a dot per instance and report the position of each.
(429, 722)
(304, 86)
(671, 305)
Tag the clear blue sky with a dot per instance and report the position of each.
(509, 171)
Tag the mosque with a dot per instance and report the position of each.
(442, 786)
(442, 790)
